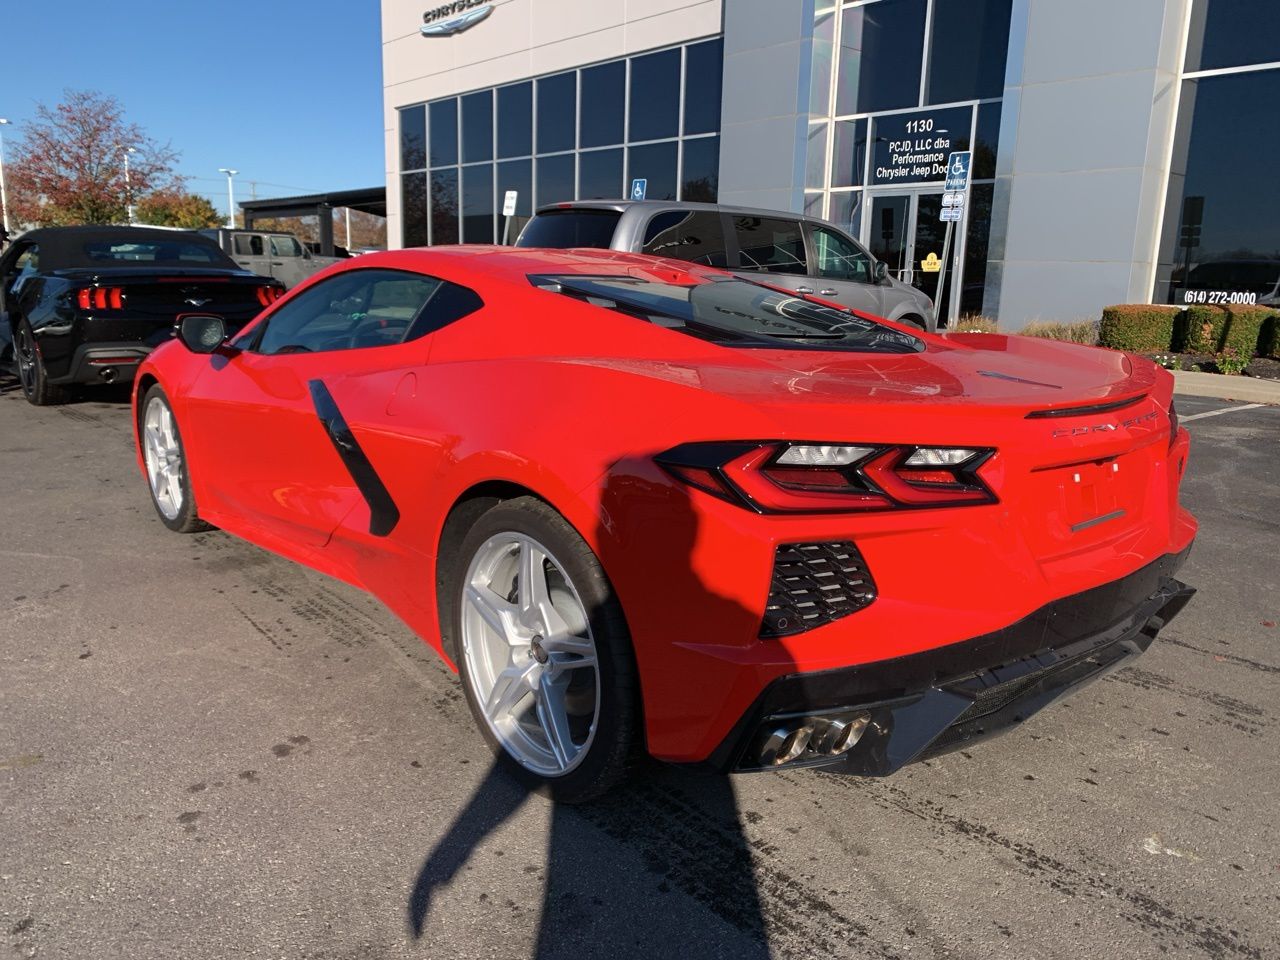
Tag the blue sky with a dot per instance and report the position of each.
(287, 92)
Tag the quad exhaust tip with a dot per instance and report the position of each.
(818, 736)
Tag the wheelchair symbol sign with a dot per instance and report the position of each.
(638, 188)
(958, 170)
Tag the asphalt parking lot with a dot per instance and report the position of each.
(208, 752)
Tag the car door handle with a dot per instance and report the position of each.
(829, 292)
(804, 289)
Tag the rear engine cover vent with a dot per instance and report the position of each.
(813, 584)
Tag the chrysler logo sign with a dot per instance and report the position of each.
(451, 18)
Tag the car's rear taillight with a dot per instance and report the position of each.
(269, 295)
(776, 477)
(100, 298)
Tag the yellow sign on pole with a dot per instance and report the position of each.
(931, 264)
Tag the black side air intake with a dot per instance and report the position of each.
(814, 584)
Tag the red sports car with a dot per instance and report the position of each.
(643, 505)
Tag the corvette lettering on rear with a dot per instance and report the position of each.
(1103, 427)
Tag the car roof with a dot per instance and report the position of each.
(639, 206)
(517, 264)
(64, 247)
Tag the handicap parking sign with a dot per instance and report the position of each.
(958, 170)
(638, 188)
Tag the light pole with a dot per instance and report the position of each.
(231, 197)
(128, 188)
(4, 198)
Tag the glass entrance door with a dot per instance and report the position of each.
(907, 232)
(927, 243)
(890, 233)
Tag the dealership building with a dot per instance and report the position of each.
(1113, 144)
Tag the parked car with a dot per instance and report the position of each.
(800, 253)
(278, 255)
(648, 505)
(84, 305)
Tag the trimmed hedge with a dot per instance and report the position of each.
(1200, 330)
(1244, 330)
(1152, 328)
(1140, 328)
(1269, 337)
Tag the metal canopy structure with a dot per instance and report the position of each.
(320, 205)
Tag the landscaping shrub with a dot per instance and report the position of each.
(1269, 338)
(1201, 330)
(1083, 331)
(1244, 329)
(1141, 328)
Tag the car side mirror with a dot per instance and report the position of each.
(202, 334)
(882, 272)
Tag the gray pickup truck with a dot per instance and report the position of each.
(270, 254)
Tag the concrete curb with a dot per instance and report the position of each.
(1192, 383)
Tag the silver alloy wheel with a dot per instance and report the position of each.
(530, 655)
(163, 456)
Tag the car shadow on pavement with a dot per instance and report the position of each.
(659, 867)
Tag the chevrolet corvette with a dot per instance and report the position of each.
(645, 506)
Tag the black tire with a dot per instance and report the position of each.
(615, 745)
(31, 372)
(915, 321)
(187, 518)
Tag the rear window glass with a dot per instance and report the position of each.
(562, 229)
(150, 252)
(696, 236)
(734, 313)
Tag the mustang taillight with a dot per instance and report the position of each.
(269, 295)
(776, 477)
(100, 298)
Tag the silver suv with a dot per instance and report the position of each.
(800, 253)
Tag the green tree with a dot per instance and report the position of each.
(177, 208)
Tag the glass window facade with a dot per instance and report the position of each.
(1220, 243)
(899, 85)
(962, 34)
(1233, 33)
(578, 135)
(880, 52)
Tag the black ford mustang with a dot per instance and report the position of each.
(81, 305)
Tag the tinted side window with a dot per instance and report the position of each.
(28, 260)
(839, 258)
(694, 236)
(248, 245)
(571, 228)
(363, 308)
(771, 246)
(24, 265)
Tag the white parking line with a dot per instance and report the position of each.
(1214, 413)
